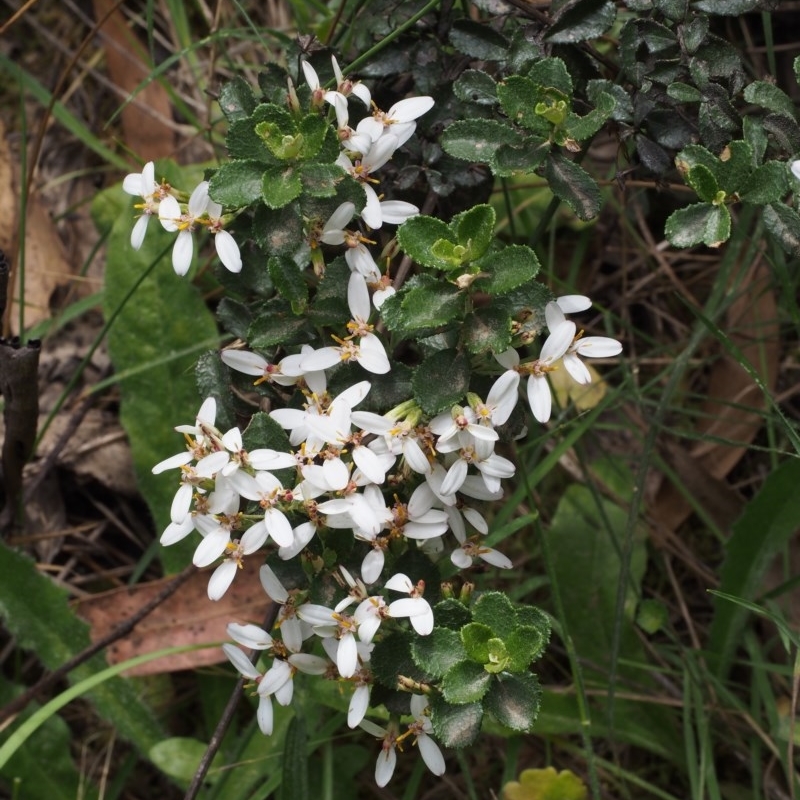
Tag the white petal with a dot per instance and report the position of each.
(169, 211)
(372, 566)
(312, 79)
(539, 397)
(508, 358)
(323, 358)
(272, 586)
(221, 579)
(181, 503)
(431, 754)
(182, 253)
(275, 677)
(380, 152)
(598, 347)
(211, 548)
(228, 251)
(358, 297)
(460, 558)
(172, 462)
(495, 558)
(372, 356)
(264, 715)
(250, 636)
(503, 396)
(384, 768)
(309, 664)
(279, 527)
(339, 219)
(400, 583)
(371, 213)
(241, 661)
(176, 531)
(347, 655)
(410, 108)
(370, 464)
(573, 303)
(139, 230)
(359, 703)
(396, 212)
(455, 477)
(577, 369)
(267, 459)
(362, 93)
(557, 342)
(198, 200)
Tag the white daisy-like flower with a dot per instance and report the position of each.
(399, 120)
(415, 606)
(143, 185)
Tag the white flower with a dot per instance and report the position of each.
(380, 152)
(224, 243)
(172, 219)
(143, 185)
(415, 606)
(794, 166)
(387, 759)
(399, 119)
(422, 728)
(347, 87)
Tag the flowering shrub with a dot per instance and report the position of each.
(388, 363)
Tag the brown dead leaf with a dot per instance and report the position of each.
(46, 264)
(187, 617)
(146, 119)
(731, 411)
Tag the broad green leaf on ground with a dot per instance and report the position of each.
(179, 756)
(758, 536)
(161, 328)
(36, 612)
(49, 745)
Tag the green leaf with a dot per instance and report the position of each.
(242, 140)
(431, 305)
(487, 330)
(510, 160)
(582, 20)
(290, 282)
(581, 128)
(675, 10)
(520, 98)
(769, 96)
(514, 701)
(731, 8)
(236, 99)
(277, 324)
(439, 652)
(237, 183)
(280, 232)
(466, 682)
(478, 139)
(213, 380)
(280, 185)
(767, 184)
(785, 131)
(321, 180)
(508, 269)
(264, 433)
(684, 93)
(495, 610)
(700, 223)
(295, 765)
(524, 645)
(694, 33)
(153, 349)
(392, 657)
(179, 757)
(702, 180)
(417, 237)
(37, 614)
(455, 725)
(475, 637)
(783, 223)
(573, 185)
(768, 522)
(623, 105)
(475, 230)
(451, 614)
(552, 73)
(475, 86)
(478, 41)
(313, 128)
(441, 381)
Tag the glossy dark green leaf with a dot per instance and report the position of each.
(767, 184)
(582, 20)
(431, 306)
(441, 381)
(237, 183)
(321, 180)
(769, 96)
(514, 701)
(684, 93)
(418, 235)
(280, 185)
(552, 73)
(455, 725)
(524, 645)
(581, 128)
(702, 180)
(476, 86)
(477, 140)
(508, 269)
(783, 223)
(439, 652)
(277, 324)
(701, 223)
(514, 160)
(520, 97)
(693, 33)
(289, 281)
(496, 611)
(236, 99)
(725, 7)
(785, 132)
(451, 613)
(623, 105)
(478, 41)
(466, 682)
(672, 9)
(392, 657)
(242, 140)
(653, 156)
(475, 638)
(213, 380)
(475, 229)
(572, 184)
(487, 330)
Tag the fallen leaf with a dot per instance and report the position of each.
(187, 617)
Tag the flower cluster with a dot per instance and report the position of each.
(391, 485)
(200, 211)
